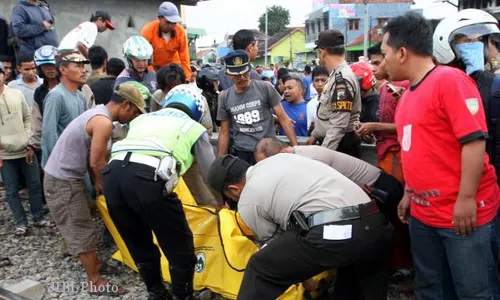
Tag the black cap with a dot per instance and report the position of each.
(105, 16)
(222, 168)
(329, 38)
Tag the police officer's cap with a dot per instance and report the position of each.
(237, 63)
(329, 39)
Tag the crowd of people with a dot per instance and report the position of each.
(425, 217)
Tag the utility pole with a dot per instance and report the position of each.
(366, 21)
(346, 27)
(265, 44)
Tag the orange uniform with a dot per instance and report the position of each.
(176, 50)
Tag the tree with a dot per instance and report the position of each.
(278, 18)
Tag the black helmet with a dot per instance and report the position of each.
(206, 77)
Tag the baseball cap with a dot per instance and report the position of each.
(2, 67)
(169, 11)
(129, 92)
(225, 167)
(237, 62)
(105, 16)
(329, 38)
(71, 57)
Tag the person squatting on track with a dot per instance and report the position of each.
(317, 223)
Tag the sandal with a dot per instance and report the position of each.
(21, 230)
(4, 261)
(106, 269)
(44, 223)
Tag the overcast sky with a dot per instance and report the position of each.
(219, 17)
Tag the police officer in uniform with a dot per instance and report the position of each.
(139, 183)
(386, 190)
(312, 218)
(340, 104)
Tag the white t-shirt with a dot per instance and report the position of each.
(312, 91)
(86, 33)
(312, 107)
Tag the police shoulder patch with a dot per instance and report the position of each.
(472, 105)
(342, 99)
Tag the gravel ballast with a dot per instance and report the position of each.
(38, 257)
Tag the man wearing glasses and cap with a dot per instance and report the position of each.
(317, 223)
(83, 37)
(247, 109)
(169, 39)
(340, 103)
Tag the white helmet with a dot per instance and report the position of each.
(471, 23)
(137, 47)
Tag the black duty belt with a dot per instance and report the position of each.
(342, 214)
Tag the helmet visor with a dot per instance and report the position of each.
(472, 33)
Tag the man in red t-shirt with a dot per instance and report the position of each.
(451, 189)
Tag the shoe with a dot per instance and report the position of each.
(403, 275)
(44, 223)
(182, 291)
(21, 230)
(152, 277)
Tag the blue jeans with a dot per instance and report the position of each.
(452, 267)
(13, 172)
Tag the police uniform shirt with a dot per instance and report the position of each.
(281, 184)
(339, 107)
(360, 172)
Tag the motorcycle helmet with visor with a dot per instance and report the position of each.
(466, 26)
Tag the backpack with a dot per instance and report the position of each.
(492, 109)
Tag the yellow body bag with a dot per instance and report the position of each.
(221, 247)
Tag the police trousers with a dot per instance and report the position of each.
(138, 207)
(350, 144)
(294, 257)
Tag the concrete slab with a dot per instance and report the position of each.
(27, 288)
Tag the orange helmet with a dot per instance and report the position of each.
(364, 73)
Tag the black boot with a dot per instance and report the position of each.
(182, 283)
(151, 275)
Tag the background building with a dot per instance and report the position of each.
(286, 48)
(347, 16)
(129, 16)
(491, 6)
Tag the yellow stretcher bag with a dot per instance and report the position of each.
(221, 247)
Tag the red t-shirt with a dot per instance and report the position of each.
(433, 120)
(388, 104)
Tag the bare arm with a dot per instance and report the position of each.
(465, 210)
(472, 168)
(286, 124)
(100, 128)
(83, 49)
(386, 127)
(223, 141)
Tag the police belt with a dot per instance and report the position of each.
(138, 158)
(342, 214)
(298, 222)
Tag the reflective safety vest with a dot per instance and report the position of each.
(165, 132)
